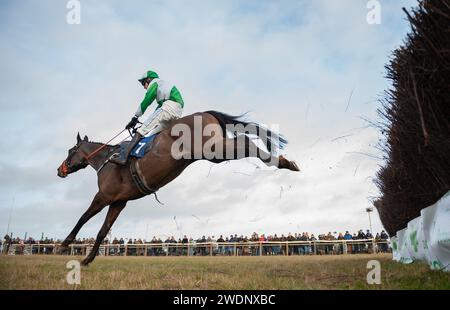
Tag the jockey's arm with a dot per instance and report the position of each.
(150, 96)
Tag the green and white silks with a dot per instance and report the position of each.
(426, 237)
(170, 106)
(161, 91)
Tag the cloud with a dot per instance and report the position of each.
(293, 63)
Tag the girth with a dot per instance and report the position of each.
(138, 179)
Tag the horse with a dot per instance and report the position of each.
(159, 166)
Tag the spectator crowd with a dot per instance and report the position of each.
(297, 244)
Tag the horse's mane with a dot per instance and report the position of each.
(101, 143)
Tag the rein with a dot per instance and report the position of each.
(100, 147)
(64, 167)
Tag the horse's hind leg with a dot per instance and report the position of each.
(97, 204)
(242, 147)
(113, 213)
(246, 148)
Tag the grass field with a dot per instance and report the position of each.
(312, 272)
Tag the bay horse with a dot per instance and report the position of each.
(158, 167)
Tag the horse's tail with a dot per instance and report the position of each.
(271, 139)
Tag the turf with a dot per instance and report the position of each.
(299, 272)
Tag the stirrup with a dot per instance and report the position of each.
(117, 159)
(114, 156)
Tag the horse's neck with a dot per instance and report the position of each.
(97, 159)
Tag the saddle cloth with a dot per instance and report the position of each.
(141, 148)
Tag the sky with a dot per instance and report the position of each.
(314, 68)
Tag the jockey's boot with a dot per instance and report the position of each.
(122, 160)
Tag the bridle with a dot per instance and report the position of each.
(65, 167)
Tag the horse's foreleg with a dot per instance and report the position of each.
(113, 213)
(97, 204)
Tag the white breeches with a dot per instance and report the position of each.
(159, 120)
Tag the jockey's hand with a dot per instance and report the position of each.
(132, 123)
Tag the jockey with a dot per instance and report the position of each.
(170, 107)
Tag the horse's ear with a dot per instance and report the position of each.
(78, 138)
(86, 138)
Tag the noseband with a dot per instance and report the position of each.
(64, 169)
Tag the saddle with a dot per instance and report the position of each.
(141, 148)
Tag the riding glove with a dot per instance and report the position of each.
(132, 123)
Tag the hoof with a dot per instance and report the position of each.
(87, 260)
(293, 166)
(287, 164)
